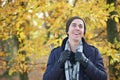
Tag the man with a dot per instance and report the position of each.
(75, 59)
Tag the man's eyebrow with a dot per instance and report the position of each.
(79, 24)
(73, 23)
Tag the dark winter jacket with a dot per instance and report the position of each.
(94, 71)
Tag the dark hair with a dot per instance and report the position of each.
(70, 21)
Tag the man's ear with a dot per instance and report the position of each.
(67, 33)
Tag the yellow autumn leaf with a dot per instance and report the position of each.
(116, 19)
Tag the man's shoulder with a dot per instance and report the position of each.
(91, 46)
(57, 49)
(92, 49)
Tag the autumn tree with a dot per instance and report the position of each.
(34, 27)
(113, 37)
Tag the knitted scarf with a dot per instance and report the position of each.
(72, 73)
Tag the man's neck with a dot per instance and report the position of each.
(73, 45)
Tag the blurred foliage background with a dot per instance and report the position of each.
(29, 29)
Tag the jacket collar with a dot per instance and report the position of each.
(86, 47)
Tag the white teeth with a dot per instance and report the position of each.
(76, 34)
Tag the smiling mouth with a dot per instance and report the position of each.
(76, 33)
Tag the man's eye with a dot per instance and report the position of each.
(73, 25)
(80, 26)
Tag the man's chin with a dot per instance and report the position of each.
(77, 39)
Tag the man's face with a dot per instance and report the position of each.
(76, 30)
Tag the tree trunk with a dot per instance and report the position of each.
(24, 76)
(112, 33)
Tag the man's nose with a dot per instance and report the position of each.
(77, 27)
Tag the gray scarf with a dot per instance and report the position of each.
(72, 73)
